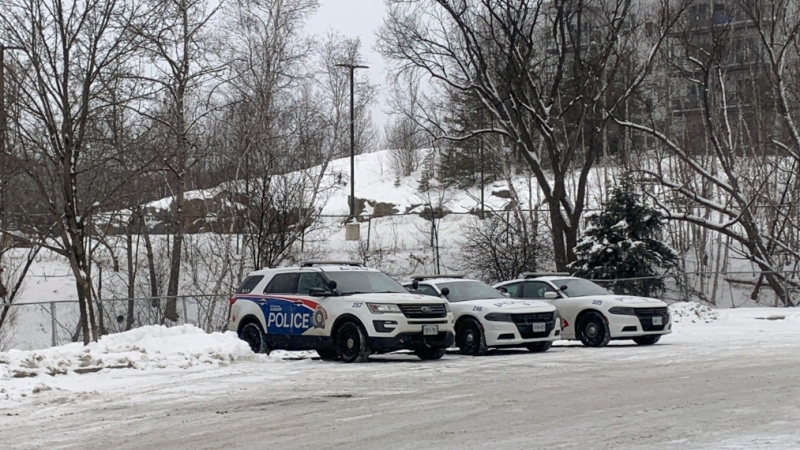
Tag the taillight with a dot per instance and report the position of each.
(231, 301)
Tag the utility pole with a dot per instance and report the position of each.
(352, 68)
(3, 134)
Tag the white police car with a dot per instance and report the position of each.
(340, 309)
(592, 314)
(486, 318)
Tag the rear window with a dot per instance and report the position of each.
(249, 284)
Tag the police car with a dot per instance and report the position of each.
(591, 313)
(486, 318)
(342, 310)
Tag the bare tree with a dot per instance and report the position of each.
(176, 38)
(713, 170)
(542, 71)
(71, 53)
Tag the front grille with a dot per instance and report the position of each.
(527, 319)
(424, 311)
(524, 321)
(646, 315)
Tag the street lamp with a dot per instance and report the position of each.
(352, 68)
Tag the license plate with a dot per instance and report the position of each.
(428, 330)
(658, 320)
(539, 327)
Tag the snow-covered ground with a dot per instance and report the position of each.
(723, 379)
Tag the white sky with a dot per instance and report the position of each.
(357, 18)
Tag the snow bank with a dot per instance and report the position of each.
(692, 312)
(145, 348)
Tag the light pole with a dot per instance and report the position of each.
(352, 68)
(3, 131)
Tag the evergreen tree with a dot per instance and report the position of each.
(623, 241)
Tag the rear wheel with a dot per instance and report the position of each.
(429, 354)
(470, 338)
(539, 347)
(254, 336)
(594, 331)
(351, 343)
(647, 340)
(327, 354)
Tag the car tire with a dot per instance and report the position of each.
(327, 354)
(351, 343)
(594, 330)
(647, 340)
(470, 338)
(253, 334)
(430, 354)
(539, 347)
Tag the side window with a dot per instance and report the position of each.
(282, 283)
(424, 289)
(249, 284)
(536, 289)
(310, 280)
(514, 290)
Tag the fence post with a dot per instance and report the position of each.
(53, 331)
(185, 314)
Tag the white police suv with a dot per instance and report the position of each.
(486, 318)
(591, 313)
(342, 310)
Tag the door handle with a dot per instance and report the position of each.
(297, 302)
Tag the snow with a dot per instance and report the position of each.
(156, 350)
(692, 312)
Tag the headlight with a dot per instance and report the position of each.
(499, 317)
(556, 314)
(622, 310)
(447, 307)
(381, 308)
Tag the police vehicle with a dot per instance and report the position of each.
(591, 313)
(486, 318)
(342, 310)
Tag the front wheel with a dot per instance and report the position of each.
(430, 354)
(594, 331)
(647, 340)
(255, 338)
(470, 338)
(539, 347)
(351, 343)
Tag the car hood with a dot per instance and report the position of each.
(394, 298)
(509, 305)
(629, 300)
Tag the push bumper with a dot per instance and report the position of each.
(411, 341)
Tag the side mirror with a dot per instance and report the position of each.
(507, 294)
(563, 287)
(415, 285)
(332, 285)
(550, 295)
(503, 289)
(445, 291)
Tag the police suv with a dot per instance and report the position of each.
(342, 310)
(486, 318)
(591, 313)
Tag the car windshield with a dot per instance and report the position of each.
(578, 287)
(464, 291)
(364, 282)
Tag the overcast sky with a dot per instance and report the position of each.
(357, 18)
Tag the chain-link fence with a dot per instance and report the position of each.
(718, 289)
(29, 326)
